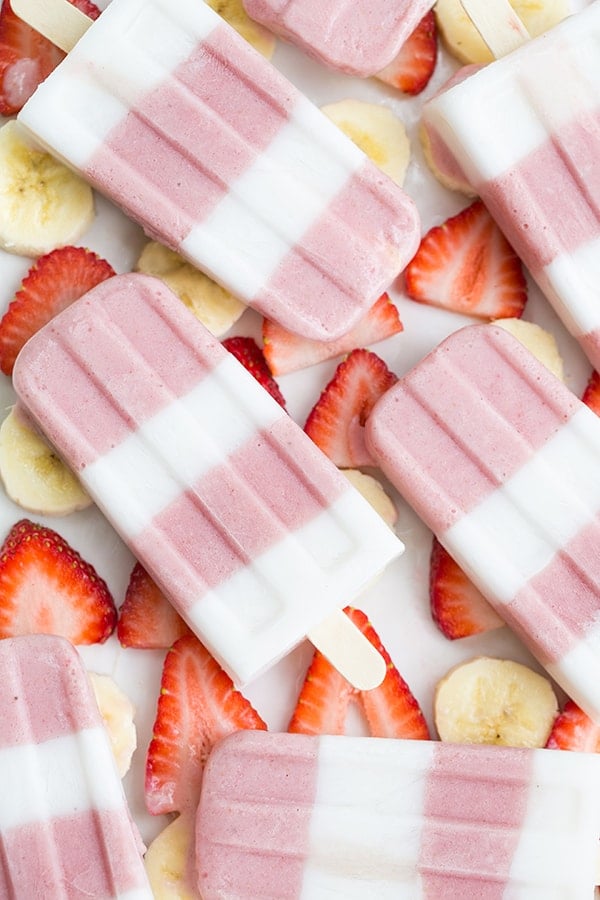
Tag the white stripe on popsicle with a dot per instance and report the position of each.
(576, 276)
(580, 665)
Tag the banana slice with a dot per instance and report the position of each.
(168, 859)
(216, 308)
(494, 701)
(43, 205)
(118, 711)
(377, 131)
(538, 341)
(372, 490)
(235, 15)
(34, 477)
(463, 40)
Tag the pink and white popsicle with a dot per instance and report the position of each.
(297, 816)
(356, 38)
(65, 828)
(164, 108)
(502, 462)
(250, 530)
(525, 132)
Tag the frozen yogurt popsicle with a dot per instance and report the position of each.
(294, 816)
(525, 131)
(357, 38)
(166, 110)
(65, 828)
(502, 462)
(250, 530)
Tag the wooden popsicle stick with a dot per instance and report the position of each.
(349, 651)
(58, 20)
(498, 24)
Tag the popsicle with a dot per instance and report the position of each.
(502, 462)
(65, 828)
(166, 110)
(356, 38)
(525, 131)
(293, 816)
(248, 528)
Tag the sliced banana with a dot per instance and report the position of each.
(118, 711)
(216, 308)
(443, 165)
(34, 477)
(372, 490)
(235, 15)
(538, 341)
(463, 40)
(43, 205)
(377, 131)
(167, 861)
(494, 701)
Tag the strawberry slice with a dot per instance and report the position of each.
(47, 588)
(458, 608)
(55, 281)
(591, 394)
(390, 710)
(336, 422)
(26, 58)
(414, 65)
(466, 265)
(198, 705)
(574, 730)
(247, 351)
(147, 621)
(287, 352)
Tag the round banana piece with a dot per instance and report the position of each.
(117, 711)
(43, 205)
(34, 477)
(372, 490)
(464, 41)
(538, 341)
(377, 131)
(216, 308)
(167, 861)
(235, 15)
(494, 701)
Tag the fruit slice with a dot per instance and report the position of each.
(34, 477)
(336, 422)
(574, 730)
(234, 13)
(169, 861)
(147, 621)
(287, 352)
(463, 40)
(216, 308)
(372, 490)
(390, 709)
(247, 351)
(47, 588)
(414, 65)
(494, 701)
(54, 281)
(538, 341)
(197, 706)
(377, 131)
(43, 205)
(458, 608)
(466, 265)
(117, 711)
(591, 394)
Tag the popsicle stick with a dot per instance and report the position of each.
(58, 20)
(498, 24)
(347, 648)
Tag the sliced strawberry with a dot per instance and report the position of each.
(591, 394)
(336, 422)
(287, 352)
(574, 730)
(55, 281)
(26, 58)
(411, 70)
(457, 606)
(147, 620)
(47, 588)
(390, 709)
(466, 265)
(247, 351)
(198, 705)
